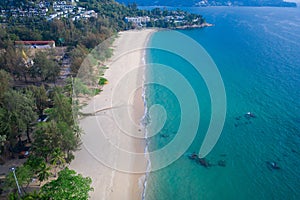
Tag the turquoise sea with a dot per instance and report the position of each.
(257, 52)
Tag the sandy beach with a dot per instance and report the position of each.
(117, 128)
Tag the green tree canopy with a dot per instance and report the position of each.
(53, 136)
(24, 175)
(77, 56)
(68, 185)
(46, 139)
(5, 83)
(62, 110)
(13, 62)
(40, 97)
(19, 112)
(45, 67)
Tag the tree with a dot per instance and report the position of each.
(45, 67)
(24, 175)
(14, 63)
(70, 139)
(46, 139)
(32, 196)
(52, 136)
(39, 167)
(3, 37)
(57, 158)
(44, 172)
(77, 56)
(5, 86)
(2, 142)
(4, 123)
(62, 109)
(19, 113)
(68, 185)
(90, 40)
(77, 86)
(35, 163)
(61, 131)
(40, 97)
(5, 83)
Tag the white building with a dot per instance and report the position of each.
(137, 20)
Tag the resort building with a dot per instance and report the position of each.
(36, 44)
(137, 20)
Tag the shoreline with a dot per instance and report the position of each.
(109, 183)
(144, 178)
(186, 27)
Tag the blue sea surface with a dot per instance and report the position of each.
(257, 52)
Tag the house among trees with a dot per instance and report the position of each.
(36, 44)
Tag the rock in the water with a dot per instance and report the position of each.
(222, 163)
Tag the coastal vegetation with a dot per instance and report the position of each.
(47, 144)
(68, 185)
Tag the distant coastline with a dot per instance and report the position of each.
(203, 25)
(205, 3)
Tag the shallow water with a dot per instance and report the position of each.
(257, 53)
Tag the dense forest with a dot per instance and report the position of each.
(72, 32)
(89, 32)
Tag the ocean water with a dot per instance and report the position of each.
(257, 53)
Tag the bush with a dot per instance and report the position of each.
(102, 81)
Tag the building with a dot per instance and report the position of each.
(36, 44)
(137, 20)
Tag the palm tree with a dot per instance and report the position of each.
(57, 158)
(44, 172)
(32, 196)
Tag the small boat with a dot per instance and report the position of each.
(272, 165)
(250, 115)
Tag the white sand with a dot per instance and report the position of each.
(108, 183)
